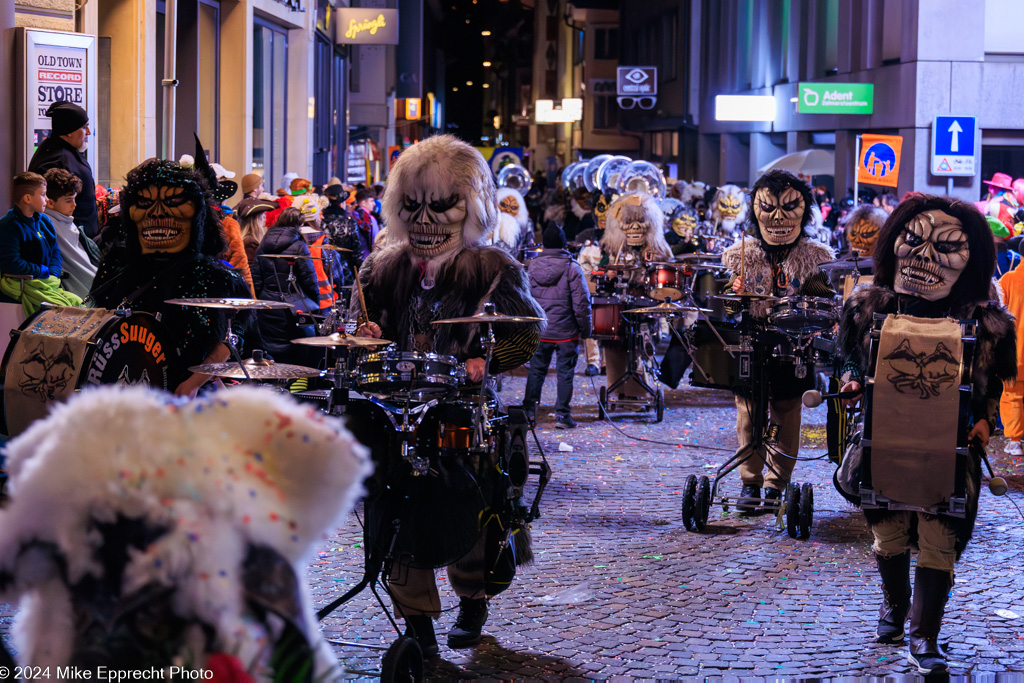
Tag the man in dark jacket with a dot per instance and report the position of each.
(559, 286)
(65, 148)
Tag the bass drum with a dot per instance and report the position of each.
(62, 350)
(723, 370)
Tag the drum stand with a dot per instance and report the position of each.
(797, 503)
(634, 371)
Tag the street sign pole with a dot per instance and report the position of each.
(949, 186)
(856, 184)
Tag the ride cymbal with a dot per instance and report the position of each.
(234, 304)
(341, 339)
(293, 257)
(665, 309)
(743, 297)
(490, 318)
(263, 369)
(331, 247)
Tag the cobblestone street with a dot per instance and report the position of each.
(620, 588)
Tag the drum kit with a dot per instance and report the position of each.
(737, 354)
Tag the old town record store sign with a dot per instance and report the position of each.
(367, 26)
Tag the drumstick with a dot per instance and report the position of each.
(362, 302)
(743, 259)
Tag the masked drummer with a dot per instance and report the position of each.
(174, 242)
(934, 260)
(778, 261)
(439, 206)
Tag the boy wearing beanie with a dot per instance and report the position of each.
(559, 286)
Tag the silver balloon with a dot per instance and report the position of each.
(609, 172)
(515, 177)
(642, 177)
(593, 166)
(576, 181)
(567, 173)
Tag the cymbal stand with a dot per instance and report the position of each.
(337, 402)
(231, 341)
(487, 341)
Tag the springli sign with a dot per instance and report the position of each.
(363, 26)
(835, 98)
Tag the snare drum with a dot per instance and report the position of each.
(408, 374)
(665, 281)
(62, 350)
(607, 315)
(806, 314)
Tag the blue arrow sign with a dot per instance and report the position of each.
(953, 148)
(954, 135)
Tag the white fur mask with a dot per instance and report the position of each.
(931, 253)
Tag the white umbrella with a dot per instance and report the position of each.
(808, 163)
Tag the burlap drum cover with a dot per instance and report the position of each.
(46, 361)
(914, 417)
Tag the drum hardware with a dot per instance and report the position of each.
(797, 502)
(292, 257)
(638, 352)
(488, 316)
(342, 339)
(332, 247)
(746, 298)
(665, 309)
(230, 304)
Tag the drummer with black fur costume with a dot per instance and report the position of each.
(780, 261)
(173, 240)
(934, 259)
(439, 205)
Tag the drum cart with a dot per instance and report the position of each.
(794, 512)
(640, 364)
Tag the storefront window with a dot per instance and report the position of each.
(270, 87)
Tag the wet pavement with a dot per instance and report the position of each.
(620, 588)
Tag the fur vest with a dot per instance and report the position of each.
(397, 302)
(800, 264)
(995, 361)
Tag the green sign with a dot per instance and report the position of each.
(835, 98)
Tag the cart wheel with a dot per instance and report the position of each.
(806, 510)
(702, 504)
(403, 661)
(659, 403)
(689, 497)
(602, 404)
(792, 509)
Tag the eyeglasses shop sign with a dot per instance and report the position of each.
(636, 81)
(363, 26)
(835, 98)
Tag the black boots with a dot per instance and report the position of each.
(469, 623)
(931, 589)
(895, 573)
(421, 627)
(750, 499)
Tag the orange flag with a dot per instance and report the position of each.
(879, 162)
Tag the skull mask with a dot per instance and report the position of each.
(685, 224)
(163, 215)
(931, 253)
(634, 223)
(862, 235)
(601, 212)
(509, 205)
(779, 216)
(730, 205)
(434, 223)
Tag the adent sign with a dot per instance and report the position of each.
(835, 98)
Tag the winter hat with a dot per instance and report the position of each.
(998, 228)
(300, 186)
(66, 117)
(250, 182)
(554, 238)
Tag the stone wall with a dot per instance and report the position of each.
(51, 15)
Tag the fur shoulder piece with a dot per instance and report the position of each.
(203, 482)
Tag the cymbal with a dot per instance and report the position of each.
(666, 264)
(698, 257)
(265, 369)
(293, 257)
(490, 318)
(331, 247)
(845, 264)
(341, 339)
(621, 266)
(743, 297)
(666, 308)
(234, 304)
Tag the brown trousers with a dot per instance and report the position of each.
(414, 590)
(785, 414)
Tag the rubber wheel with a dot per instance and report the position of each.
(792, 509)
(659, 405)
(702, 504)
(689, 497)
(403, 661)
(806, 516)
(602, 403)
